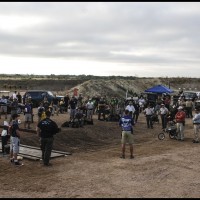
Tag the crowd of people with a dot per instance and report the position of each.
(125, 111)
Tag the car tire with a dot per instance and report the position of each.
(161, 136)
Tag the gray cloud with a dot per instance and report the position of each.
(134, 33)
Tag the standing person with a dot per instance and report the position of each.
(14, 139)
(167, 101)
(19, 97)
(148, 113)
(27, 115)
(90, 108)
(163, 114)
(72, 105)
(4, 136)
(13, 107)
(46, 129)
(46, 104)
(31, 104)
(14, 95)
(55, 105)
(137, 111)
(101, 108)
(196, 125)
(180, 122)
(113, 106)
(130, 108)
(66, 101)
(41, 112)
(4, 107)
(188, 108)
(126, 122)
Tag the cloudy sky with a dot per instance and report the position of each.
(100, 38)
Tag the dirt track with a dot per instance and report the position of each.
(165, 169)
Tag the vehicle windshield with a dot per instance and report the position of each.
(189, 94)
(50, 93)
(33, 94)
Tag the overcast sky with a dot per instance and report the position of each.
(100, 38)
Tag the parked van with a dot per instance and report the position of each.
(37, 96)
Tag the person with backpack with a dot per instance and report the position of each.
(14, 140)
(46, 129)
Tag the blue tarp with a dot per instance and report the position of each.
(159, 89)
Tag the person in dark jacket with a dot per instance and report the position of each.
(14, 140)
(46, 129)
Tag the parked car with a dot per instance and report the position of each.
(20, 109)
(37, 96)
(59, 97)
(197, 103)
(190, 95)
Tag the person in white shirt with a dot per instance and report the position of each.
(14, 95)
(130, 107)
(196, 125)
(141, 102)
(163, 114)
(148, 113)
(89, 107)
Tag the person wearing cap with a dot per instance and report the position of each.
(14, 139)
(196, 125)
(180, 123)
(46, 129)
(163, 111)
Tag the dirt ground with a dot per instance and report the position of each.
(160, 169)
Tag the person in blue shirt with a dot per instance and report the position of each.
(126, 122)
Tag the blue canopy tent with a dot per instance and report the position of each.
(160, 89)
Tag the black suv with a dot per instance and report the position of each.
(37, 96)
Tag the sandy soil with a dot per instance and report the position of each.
(160, 169)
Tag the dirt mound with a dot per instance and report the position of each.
(94, 85)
